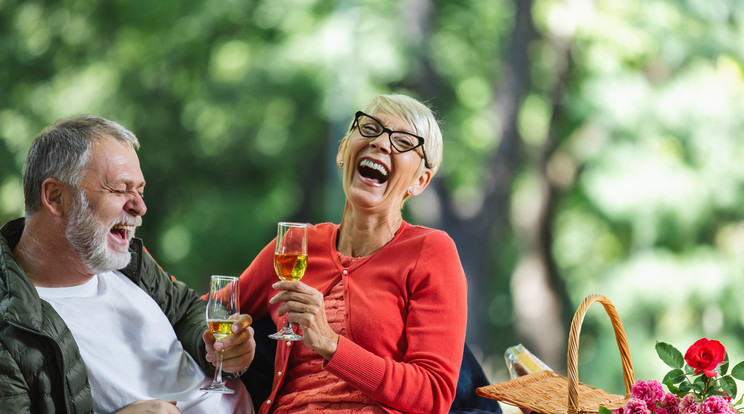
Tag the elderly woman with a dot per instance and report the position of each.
(382, 305)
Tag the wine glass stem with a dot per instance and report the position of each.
(286, 323)
(218, 371)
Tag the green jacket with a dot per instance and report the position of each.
(41, 370)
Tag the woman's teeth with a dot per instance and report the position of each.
(371, 164)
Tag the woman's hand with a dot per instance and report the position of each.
(238, 348)
(306, 308)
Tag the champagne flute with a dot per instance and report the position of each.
(222, 312)
(290, 261)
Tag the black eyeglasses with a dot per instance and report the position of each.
(402, 141)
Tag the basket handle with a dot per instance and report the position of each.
(573, 349)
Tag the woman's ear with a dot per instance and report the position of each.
(340, 153)
(421, 183)
(52, 200)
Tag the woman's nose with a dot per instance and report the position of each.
(382, 142)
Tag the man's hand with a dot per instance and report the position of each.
(150, 407)
(238, 348)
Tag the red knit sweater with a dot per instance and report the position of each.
(406, 315)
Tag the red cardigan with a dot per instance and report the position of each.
(406, 313)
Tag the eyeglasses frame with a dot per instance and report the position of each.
(390, 135)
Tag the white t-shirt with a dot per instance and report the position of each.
(131, 351)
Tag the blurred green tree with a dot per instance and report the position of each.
(590, 146)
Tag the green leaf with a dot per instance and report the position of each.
(700, 382)
(674, 390)
(674, 376)
(685, 386)
(725, 365)
(698, 385)
(728, 385)
(603, 410)
(670, 355)
(738, 371)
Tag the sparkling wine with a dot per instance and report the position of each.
(220, 327)
(290, 267)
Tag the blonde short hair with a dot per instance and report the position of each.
(415, 113)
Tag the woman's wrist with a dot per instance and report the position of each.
(329, 347)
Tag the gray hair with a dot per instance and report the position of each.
(418, 115)
(62, 151)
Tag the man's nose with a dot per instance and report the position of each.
(136, 205)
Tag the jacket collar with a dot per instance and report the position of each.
(19, 301)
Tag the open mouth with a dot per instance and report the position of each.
(121, 232)
(373, 170)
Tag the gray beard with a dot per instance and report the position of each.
(89, 238)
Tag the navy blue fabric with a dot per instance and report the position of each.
(471, 377)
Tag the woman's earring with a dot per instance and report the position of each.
(410, 190)
(341, 164)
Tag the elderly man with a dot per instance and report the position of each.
(88, 320)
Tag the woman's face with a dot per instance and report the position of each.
(376, 176)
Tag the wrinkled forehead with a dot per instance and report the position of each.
(113, 160)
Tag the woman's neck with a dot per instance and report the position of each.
(361, 235)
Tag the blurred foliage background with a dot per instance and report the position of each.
(590, 146)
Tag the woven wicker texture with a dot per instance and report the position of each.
(549, 393)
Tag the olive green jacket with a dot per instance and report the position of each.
(41, 370)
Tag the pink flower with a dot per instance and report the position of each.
(619, 411)
(669, 404)
(715, 405)
(687, 405)
(635, 406)
(649, 391)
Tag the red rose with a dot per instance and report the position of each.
(705, 355)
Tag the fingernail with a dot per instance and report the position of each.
(218, 346)
(275, 285)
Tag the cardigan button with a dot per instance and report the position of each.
(279, 374)
(289, 343)
(346, 272)
(268, 402)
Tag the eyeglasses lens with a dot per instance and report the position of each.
(401, 141)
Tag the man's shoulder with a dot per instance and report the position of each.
(11, 231)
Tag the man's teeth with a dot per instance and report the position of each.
(123, 227)
(374, 165)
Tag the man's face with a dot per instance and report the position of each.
(103, 216)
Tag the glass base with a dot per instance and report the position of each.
(287, 335)
(218, 387)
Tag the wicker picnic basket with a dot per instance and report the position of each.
(549, 393)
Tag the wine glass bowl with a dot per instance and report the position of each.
(290, 262)
(222, 312)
